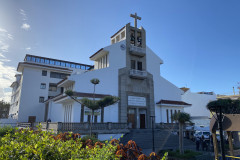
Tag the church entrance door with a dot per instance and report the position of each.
(142, 115)
(132, 118)
(142, 121)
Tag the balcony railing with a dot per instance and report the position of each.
(137, 74)
(138, 51)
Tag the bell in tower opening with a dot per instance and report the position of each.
(139, 39)
(132, 41)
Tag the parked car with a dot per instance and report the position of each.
(199, 134)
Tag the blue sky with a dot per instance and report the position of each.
(197, 40)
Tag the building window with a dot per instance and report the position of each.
(63, 64)
(52, 62)
(72, 65)
(123, 34)
(95, 119)
(139, 64)
(42, 60)
(52, 87)
(28, 58)
(67, 64)
(88, 118)
(58, 75)
(133, 64)
(57, 63)
(171, 117)
(47, 61)
(38, 60)
(33, 59)
(167, 116)
(44, 73)
(118, 38)
(41, 99)
(43, 86)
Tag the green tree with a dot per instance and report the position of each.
(182, 118)
(92, 103)
(228, 106)
(4, 109)
(220, 107)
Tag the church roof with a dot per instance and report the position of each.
(96, 53)
(173, 102)
(82, 94)
(118, 31)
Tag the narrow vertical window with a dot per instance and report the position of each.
(171, 117)
(95, 119)
(82, 113)
(167, 116)
(88, 118)
(139, 64)
(133, 64)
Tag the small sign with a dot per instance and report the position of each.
(88, 111)
(136, 101)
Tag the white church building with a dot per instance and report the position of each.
(127, 68)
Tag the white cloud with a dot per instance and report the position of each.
(4, 47)
(6, 72)
(23, 14)
(28, 48)
(1, 55)
(25, 26)
(10, 36)
(3, 30)
(6, 78)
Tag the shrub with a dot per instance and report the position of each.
(29, 144)
(5, 129)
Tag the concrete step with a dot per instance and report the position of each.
(163, 139)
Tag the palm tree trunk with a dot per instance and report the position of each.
(92, 110)
(91, 122)
(181, 138)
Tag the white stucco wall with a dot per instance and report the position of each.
(108, 82)
(199, 103)
(30, 93)
(55, 112)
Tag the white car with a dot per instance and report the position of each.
(199, 134)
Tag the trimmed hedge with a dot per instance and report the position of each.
(28, 144)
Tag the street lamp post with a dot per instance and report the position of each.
(153, 145)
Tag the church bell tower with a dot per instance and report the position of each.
(136, 90)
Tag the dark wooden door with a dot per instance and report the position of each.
(142, 121)
(31, 119)
(131, 119)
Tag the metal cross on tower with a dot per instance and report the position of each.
(135, 19)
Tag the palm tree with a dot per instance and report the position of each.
(182, 118)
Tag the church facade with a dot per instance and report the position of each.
(128, 69)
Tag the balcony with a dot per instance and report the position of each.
(137, 51)
(133, 73)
